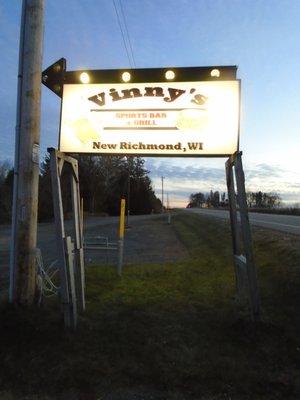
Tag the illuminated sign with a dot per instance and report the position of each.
(191, 111)
(158, 118)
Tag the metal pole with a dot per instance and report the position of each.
(128, 195)
(168, 209)
(236, 245)
(81, 219)
(162, 194)
(247, 237)
(26, 170)
(56, 169)
(232, 206)
(121, 237)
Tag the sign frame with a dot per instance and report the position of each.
(56, 77)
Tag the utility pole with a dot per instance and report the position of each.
(162, 194)
(168, 209)
(27, 148)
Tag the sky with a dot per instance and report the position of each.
(261, 37)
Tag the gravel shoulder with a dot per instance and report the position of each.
(148, 239)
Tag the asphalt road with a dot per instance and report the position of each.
(283, 223)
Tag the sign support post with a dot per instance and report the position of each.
(245, 271)
(77, 227)
(56, 168)
(71, 260)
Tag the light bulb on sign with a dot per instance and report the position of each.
(126, 76)
(84, 77)
(215, 73)
(170, 75)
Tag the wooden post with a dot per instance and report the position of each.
(27, 148)
(247, 237)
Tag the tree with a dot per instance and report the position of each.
(223, 197)
(6, 191)
(45, 206)
(5, 168)
(103, 182)
(216, 199)
(142, 197)
(95, 175)
(263, 200)
(213, 199)
(196, 200)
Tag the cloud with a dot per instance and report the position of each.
(187, 172)
(262, 171)
(271, 178)
(182, 179)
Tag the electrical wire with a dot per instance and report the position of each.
(127, 32)
(123, 35)
(45, 277)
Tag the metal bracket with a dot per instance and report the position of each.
(53, 77)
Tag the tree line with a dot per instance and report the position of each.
(6, 191)
(260, 200)
(211, 199)
(103, 182)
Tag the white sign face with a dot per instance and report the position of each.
(165, 118)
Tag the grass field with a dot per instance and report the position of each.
(166, 331)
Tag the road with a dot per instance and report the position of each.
(283, 223)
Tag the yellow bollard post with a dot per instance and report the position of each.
(121, 236)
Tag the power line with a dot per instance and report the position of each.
(127, 32)
(122, 33)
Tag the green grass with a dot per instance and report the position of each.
(173, 330)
